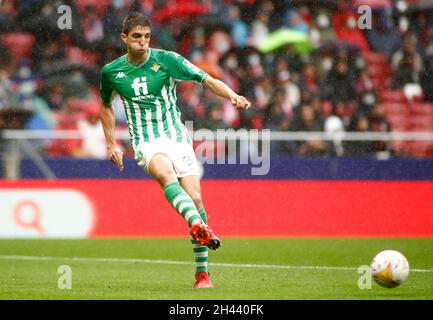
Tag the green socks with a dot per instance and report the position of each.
(182, 202)
(200, 252)
(184, 205)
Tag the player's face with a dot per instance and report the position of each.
(137, 40)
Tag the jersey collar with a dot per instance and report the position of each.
(142, 63)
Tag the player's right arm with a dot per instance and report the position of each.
(108, 124)
(108, 120)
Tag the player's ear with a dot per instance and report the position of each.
(123, 37)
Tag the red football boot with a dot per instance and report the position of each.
(204, 235)
(202, 281)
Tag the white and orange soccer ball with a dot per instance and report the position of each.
(389, 268)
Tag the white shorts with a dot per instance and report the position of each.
(181, 155)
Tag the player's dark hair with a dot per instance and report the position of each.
(133, 20)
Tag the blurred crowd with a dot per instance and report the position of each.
(321, 82)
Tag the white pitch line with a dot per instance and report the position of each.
(172, 262)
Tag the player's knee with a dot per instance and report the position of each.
(165, 176)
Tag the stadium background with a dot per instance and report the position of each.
(338, 77)
(326, 206)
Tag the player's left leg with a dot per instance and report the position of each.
(191, 185)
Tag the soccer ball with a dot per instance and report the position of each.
(389, 268)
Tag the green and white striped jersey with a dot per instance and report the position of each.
(148, 93)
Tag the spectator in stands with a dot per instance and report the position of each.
(340, 83)
(93, 142)
(7, 15)
(293, 94)
(379, 123)
(76, 85)
(7, 96)
(276, 120)
(293, 20)
(198, 43)
(281, 79)
(287, 80)
(13, 114)
(421, 26)
(359, 123)
(365, 90)
(260, 26)
(263, 92)
(364, 83)
(307, 122)
(219, 44)
(189, 100)
(310, 80)
(52, 92)
(93, 27)
(334, 124)
(321, 30)
(405, 73)
(49, 56)
(41, 19)
(346, 28)
(238, 28)
(214, 117)
(382, 36)
(280, 96)
(408, 49)
(115, 13)
(426, 80)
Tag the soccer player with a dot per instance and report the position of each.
(145, 78)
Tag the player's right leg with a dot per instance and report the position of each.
(205, 236)
(161, 169)
(191, 185)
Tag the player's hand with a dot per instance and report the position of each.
(116, 156)
(240, 102)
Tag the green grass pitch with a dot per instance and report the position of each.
(245, 268)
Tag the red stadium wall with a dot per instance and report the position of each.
(130, 208)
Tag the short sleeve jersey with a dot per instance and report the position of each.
(148, 93)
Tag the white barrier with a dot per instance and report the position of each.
(242, 135)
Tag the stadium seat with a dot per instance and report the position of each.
(421, 123)
(418, 148)
(20, 44)
(392, 96)
(398, 122)
(101, 5)
(379, 71)
(327, 107)
(421, 108)
(396, 108)
(429, 151)
(381, 83)
(374, 58)
(77, 55)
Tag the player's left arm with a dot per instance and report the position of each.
(221, 89)
(181, 69)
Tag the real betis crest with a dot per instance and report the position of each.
(155, 67)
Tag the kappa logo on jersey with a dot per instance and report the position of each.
(139, 84)
(155, 67)
(120, 75)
